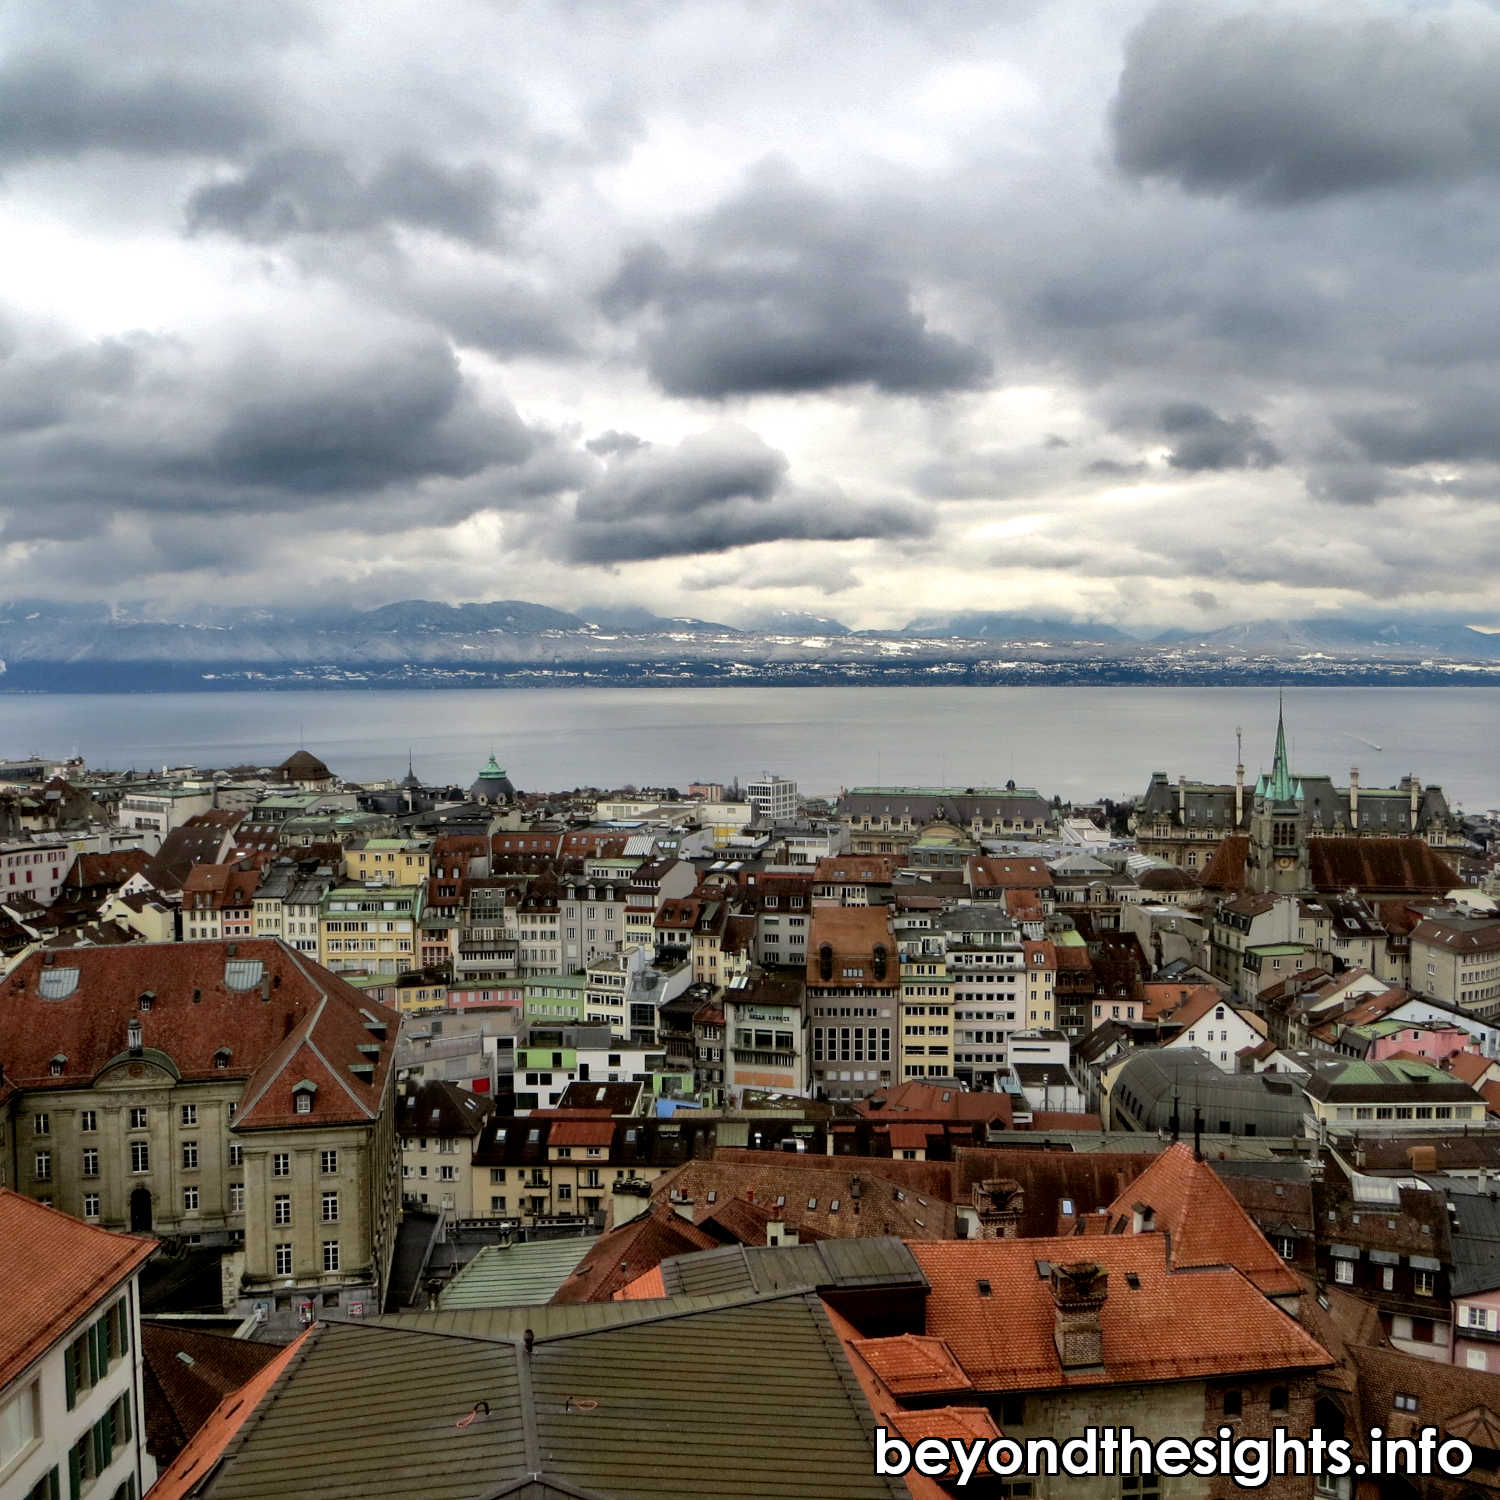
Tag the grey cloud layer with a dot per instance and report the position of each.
(1080, 275)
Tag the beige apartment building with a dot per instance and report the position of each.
(1456, 959)
(390, 861)
(370, 928)
(440, 1124)
(226, 1094)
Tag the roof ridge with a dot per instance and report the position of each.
(334, 1073)
(299, 1033)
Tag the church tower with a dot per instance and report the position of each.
(1278, 862)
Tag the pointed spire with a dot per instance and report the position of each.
(1280, 788)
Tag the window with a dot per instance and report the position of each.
(236, 1197)
(330, 1255)
(1476, 1317)
(189, 1155)
(137, 1117)
(303, 1103)
(281, 1164)
(1423, 1283)
(330, 1208)
(18, 1424)
(88, 1121)
(90, 1161)
(1405, 1402)
(91, 1205)
(1140, 1486)
(189, 1114)
(236, 1154)
(330, 1162)
(283, 1260)
(281, 1209)
(190, 1198)
(41, 1124)
(1234, 1403)
(1343, 1272)
(1279, 1398)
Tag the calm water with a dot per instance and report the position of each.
(1074, 742)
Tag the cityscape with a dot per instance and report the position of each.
(748, 750)
(965, 1112)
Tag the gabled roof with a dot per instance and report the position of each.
(911, 1364)
(270, 1012)
(991, 1302)
(55, 1271)
(186, 1373)
(1379, 866)
(618, 1257)
(564, 1409)
(1205, 1222)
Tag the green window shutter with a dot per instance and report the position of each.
(93, 1342)
(125, 1430)
(75, 1470)
(102, 1449)
(70, 1371)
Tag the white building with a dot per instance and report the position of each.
(70, 1357)
(773, 799)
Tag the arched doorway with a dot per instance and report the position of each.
(140, 1211)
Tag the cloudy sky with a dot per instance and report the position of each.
(1147, 314)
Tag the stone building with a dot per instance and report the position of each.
(227, 1094)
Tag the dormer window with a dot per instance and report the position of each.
(221, 1057)
(146, 1001)
(302, 1096)
(133, 1035)
(56, 1066)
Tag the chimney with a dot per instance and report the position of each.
(1079, 1291)
(1354, 796)
(776, 1232)
(1182, 798)
(1142, 1218)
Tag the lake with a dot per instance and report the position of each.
(1078, 743)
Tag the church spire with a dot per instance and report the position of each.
(1280, 788)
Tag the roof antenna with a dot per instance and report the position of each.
(1197, 1134)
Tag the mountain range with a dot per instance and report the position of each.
(48, 645)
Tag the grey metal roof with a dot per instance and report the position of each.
(523, 1275)
(1474, 1235)
(881, 1260)
(669, 1399)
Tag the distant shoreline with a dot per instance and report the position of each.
(36, 679)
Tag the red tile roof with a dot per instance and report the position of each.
(1379, 866)
(626, 1253)
(1158, 1323)
(1009, 874)
(912, 1364)
(1205, 1221)
(1225, 870)
(292, 1021)
(581, 1133)
(193, 1465)
(915, 1101)
(55, 1271)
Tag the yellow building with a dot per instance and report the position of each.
(926, 1011)
(371, 929)
(394, 861)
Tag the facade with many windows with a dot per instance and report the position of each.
(70, 1361)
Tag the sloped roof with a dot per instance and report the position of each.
(1207, 1225)
(568, 1412)
(187, 1372)
(1165, 1324)
(1379, 866)
(55, 1270)
(282, 1017)
(911, 1364)
(519, 1275)
(194, 1463)
(1225, 870)
(618, 1257)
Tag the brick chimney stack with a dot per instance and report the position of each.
(1079, 1291)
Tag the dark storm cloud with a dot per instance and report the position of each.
(307, 190)
(407, 417)
(714, 492)
(1451, 427)
(54, 107)
(1201, 439)
(1287, 106)
(777, 296)
(155, 428)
